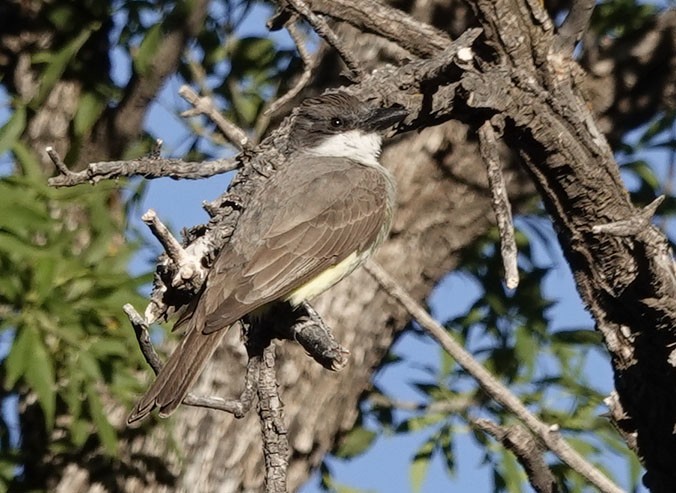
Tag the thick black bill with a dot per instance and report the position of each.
(384, 118)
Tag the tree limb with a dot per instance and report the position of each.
(503, 211)
(574, 26)
(323, 29)
(528, 452)
(548, 434)
(147, 167)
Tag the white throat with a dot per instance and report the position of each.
(354, 144)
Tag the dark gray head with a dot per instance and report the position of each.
(341, 125)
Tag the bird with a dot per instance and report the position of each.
(310, 224)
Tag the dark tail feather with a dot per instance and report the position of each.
(179, 374)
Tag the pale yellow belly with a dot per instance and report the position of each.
(327, 278)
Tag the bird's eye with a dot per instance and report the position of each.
(336, 122)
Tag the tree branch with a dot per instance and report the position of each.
(488, 146)
(549, 434)
(238, 407)
(309, 64)
(376, 17)
(147, 167)
(184, 23)
(574, 26)
(204, 105)
(270, 410)
(323, 29)
(529, 453)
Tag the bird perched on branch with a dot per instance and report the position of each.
(308, 226)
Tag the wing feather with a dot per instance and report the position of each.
(288, 247)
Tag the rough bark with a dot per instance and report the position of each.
(443, 207)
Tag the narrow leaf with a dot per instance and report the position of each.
(11, 130)
(40, 376)
(356, 442)
(421, 463)
(104, 429)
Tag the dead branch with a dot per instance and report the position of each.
(488, 146)
(548, 434)
(188, 266)
(147, 167)
(307, 328)
(323, 29)
(270, 410)
(574, 26)
(237, 407)
(636, 224)
(204, 105)
(378, 18)
(309, 64)
(528, 451)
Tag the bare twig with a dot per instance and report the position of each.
(205, 106)
(189, 268)
(574, 26)
(58, 162)
(311, 332)
(141, 329)
(270, 411)
(237, 407)
(323, 29)
(634, 225)
(148, 167)
(549, 435)
(162, 233)
(618, 418)
(503, 212)
(391, 23)
(303, 325)
(457, 404)
(309, 64)
(528, 451)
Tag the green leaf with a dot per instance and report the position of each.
(12, 130)
(658, 126)
(147, 50)
(28, 161)
(251, 54)
(58, 62)
(445, 444)
(246, 106)
(62, 16)
(18, 358)
(513, 475)
(40, 376)
(104, 429)
(577, 336)
(419, 422)
(643, 171)
(356, 442)
(88, 111)
(421, 463)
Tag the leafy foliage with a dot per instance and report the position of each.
(61, 297)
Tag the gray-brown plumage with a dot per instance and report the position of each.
(308, 226)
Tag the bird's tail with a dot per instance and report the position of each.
(179, 374)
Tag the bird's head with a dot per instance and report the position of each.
(340, 125)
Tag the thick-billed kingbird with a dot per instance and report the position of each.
(308, 226)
